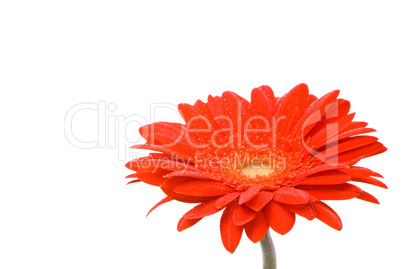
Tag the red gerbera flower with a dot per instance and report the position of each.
(260, 161)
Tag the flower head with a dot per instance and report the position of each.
(261, 161)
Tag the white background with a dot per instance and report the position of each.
(66, 207)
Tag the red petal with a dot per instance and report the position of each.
(311, 99)
(351, 143)
(169, 184)
(202, 210)
(361, 174)
(327, 215)
(279, 218)
(365, 196)
(305, 211)
(186, 223)
(242, 215)
(204, 110)
(372, 181)
(151, 131)
(332, 192)
(233, 107)
(331, 130)
(169, 135)
(291, 196)
(262, 105)
(250, 193)
(226, 199)
(155, 179)
(338, 109)
(201, 187)
(195, 174)
(244, 102)
(163, 149)
(230, 233)
(334, 112)
(317, 169)
(355, 125)
(313, 115)
(257, 228)
(260, 200)
(348, 133)
(161, 202)
(199, 127)
(133, 181)
(268, 92)
(292, 103)
(215, 107)
(351, 157)
(326, 178)
(348, 144)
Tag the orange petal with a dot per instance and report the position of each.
(155, 179)
(355, 125)
(257, 228)
(250, 193)
(185, 223)
(326, 178)
(365, 196)
(372, 181)
(305, 211)
(279, 218)
(318, 169)
(242, 215)
(215, 107)
(163, 149)
(204, 110)
(268, 92)
(194, 174)
(133, 181)
(331, 130)
(202, 210)
(291, 196)
(260, 200)
(337, 109)
(169, 184)
(345, 133)
(226, 199)
(170, 135)
(351, 157)
(311, 99)
(196, 121)
(230, 233)
(357, 171)
(161, 202)
(290, 104)
(233, 107)
(348, 144)
(327, 215)
(361, 174)
(308, 119)
(332, 192)
(201, 187)
(262, 105)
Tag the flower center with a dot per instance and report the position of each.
(257, 168)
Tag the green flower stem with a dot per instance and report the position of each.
(268, 252)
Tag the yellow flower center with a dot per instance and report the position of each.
(257, 168)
